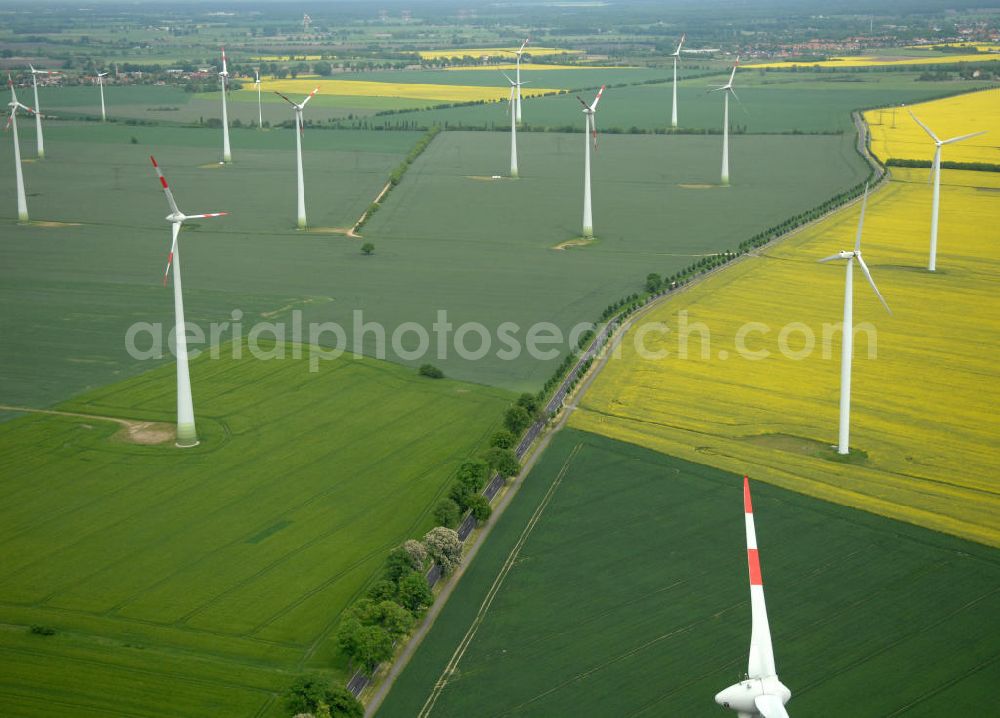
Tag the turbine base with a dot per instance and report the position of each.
(186, 436)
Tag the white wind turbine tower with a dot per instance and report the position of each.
(847, 342)
(936, 177)
(100, 84)
(223, 78)
(726, 89)
(515, 91)
(186, 433)
(589, 128)
(38, 110)
(299, 127)
(677, 57)
(760, 693)
(14, 105)
(260, 107)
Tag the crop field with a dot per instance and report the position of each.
(446, 239)
(197, 583)
(948, 117)
(75, 287)
(897, 59)
(407, 90)
(769, 102)
(616, 584)
(485, 250)
(922, 418)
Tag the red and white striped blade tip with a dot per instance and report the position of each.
(747, 505)
(166, 273)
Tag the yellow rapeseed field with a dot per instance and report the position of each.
(493, 52)
(875, 61)
(439, 93)
(924, 410)
(950, 117)
(534, 68)
(977, 46)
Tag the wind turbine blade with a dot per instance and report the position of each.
(733, 74)
(10, 118)
(868, 276)
(935, 165)
(597, 99)
(285, 98)
(224, 70)
(742, 106)
(509, 80)
(207, 215)
(593, 129)
(761, 662)
(680, 45)
(964, 137)
(166, 187)
(309, 97)
(861, 221)
(523, 45)
(175, 229)
(770, 706)
(926, 128)
(830, 258)
(582, 102)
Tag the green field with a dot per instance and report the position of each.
(74, 290)
(197, 582)
(482, 250)
(771, 102)
(628, 597)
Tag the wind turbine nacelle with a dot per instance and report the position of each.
(741, 696)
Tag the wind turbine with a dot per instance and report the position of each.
(186, 433)
(726, 89)
(38, 110)
(299, 126)
(223, 77)
(100, 83)
(518, 76)
(677, 56)
(760, 693)
(936, 175)
(22, 202)
(515, 89)
(589, 127)
(260, 109)
(847, 343)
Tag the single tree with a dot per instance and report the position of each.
(474, 474)
(447, 513)
(367, 248)
(431, 371)
(480, 507)
(503, 439)
(516, 419)
(414, 593)
(444, 547)
(417, 552)
(503, 461)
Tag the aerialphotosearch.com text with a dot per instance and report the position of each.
(413, 341)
